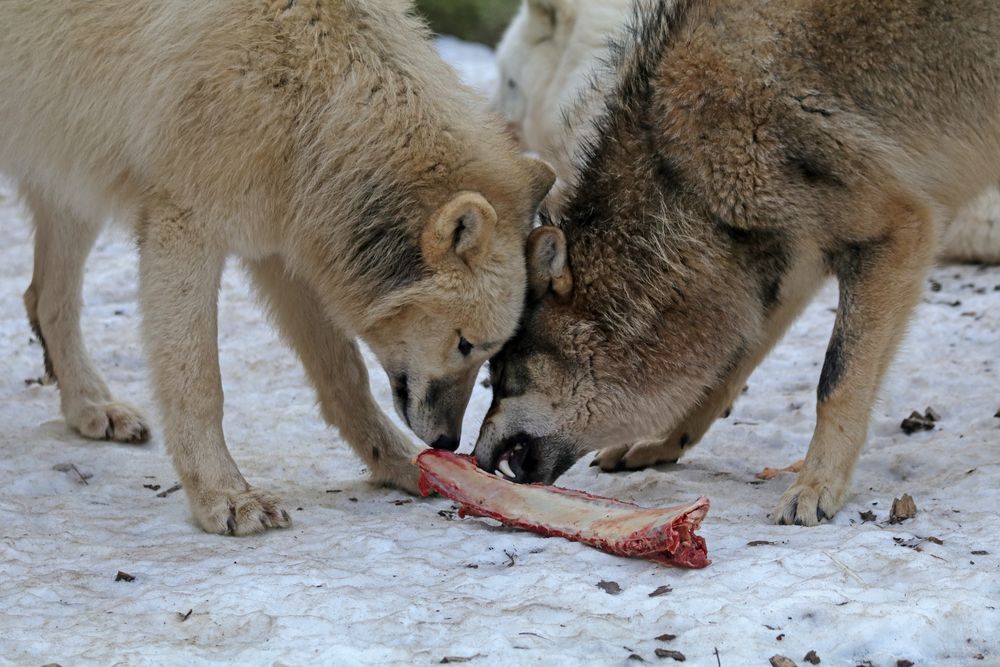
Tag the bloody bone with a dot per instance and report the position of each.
(665, 535)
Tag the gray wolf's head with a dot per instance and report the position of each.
(602, 358)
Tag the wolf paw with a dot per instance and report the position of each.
(119, 422)
(609, 458)
(243, 512)
(636, 457)
(808, 503)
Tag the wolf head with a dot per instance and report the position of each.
(433, 333)
(595, 363)
(527, 57)
(541, 379)
(545, 60)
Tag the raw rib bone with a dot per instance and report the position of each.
(664, 535)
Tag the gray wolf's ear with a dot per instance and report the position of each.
(541, 176)
(548, 269)
(550, 14)
(462, 227)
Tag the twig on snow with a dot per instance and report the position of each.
(845, 568)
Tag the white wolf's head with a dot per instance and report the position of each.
(544, 61)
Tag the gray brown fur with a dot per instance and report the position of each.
(747, 151)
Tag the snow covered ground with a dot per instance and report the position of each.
(371, 576)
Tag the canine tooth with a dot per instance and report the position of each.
(498, 474)
(504, 467)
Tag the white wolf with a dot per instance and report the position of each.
(325, 144)
(546, 58)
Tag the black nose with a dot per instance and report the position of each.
(445, 442)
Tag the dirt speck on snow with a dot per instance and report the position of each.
(666, 653)
(609, 587)
(919, 422)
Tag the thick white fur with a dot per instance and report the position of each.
(272, 130)
(974, 235)
(545, 61)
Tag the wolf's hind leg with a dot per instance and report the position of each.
(53, 301)
(974, 235)
(337, 371)
(880, 283)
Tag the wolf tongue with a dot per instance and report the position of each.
(664, 535)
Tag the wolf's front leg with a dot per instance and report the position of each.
(669, 448)
(337, 371)
(880, 282)
(180, 267)
(796, 290)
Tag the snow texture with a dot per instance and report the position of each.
(371, 576)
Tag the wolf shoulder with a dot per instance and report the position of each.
(766, 105)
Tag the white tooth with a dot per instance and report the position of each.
(498, 474)
(517, 448)
(504, 467)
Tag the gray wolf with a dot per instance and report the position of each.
(746, 151)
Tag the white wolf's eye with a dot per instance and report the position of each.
(464, 346)
(512, 84)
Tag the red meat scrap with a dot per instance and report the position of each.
(664, 535)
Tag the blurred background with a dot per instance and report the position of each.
(472, 20)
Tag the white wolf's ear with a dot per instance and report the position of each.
(548, 15)
(463, 227)
(547, 265)
(542, 177)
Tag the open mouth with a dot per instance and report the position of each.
(513, 459)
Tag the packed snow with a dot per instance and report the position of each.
(372, 576)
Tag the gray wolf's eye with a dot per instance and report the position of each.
(464, 346)
(511, 84)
